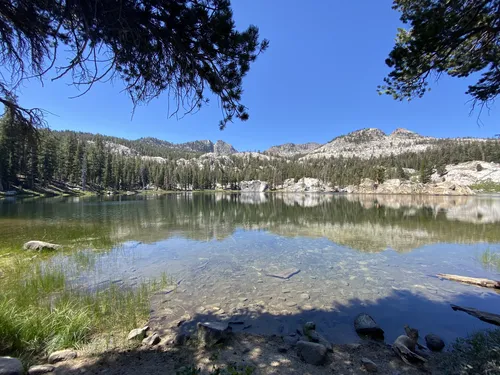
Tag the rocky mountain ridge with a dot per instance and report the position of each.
(372, 142)
(364, 143)
(290, 149)
(203, 146)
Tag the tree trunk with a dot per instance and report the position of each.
(471, 280)
(481, 315)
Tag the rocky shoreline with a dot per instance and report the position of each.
(367, 186)
(214, 345)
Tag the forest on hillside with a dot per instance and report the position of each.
(31, 158)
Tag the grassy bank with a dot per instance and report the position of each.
(487, 186)
(41, 312)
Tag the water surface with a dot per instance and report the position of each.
(375, 254)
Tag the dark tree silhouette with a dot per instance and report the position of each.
(454, 37)
(185, 48)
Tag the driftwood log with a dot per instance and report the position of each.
(471, 280)
(481, 315)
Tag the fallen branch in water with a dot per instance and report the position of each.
(481, 315)
(471, 280)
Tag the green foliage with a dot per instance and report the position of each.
(182, 48)
(457, 38)
(40, 312)
(479, 354)
(441, 169)
(97, 163)
(490, 259)
(379, 174)
(487, 186)
(425, 172)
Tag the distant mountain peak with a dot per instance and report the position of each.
(224, 148)
(289, 149)
(402, 132)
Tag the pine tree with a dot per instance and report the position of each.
(71, 158)
(108, 172)
(47, 158)
(425, 172)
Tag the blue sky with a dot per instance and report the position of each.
(317, 80)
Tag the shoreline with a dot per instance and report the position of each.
(32, 194)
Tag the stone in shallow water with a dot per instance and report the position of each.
(11, 366)
(434, 342)
(40, 245)
(211, 333)
(284, 274)
(365, 325)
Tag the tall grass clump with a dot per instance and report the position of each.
(41, 312)
(478, 354)
(490, 259)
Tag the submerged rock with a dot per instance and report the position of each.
(138, 333)
(311, 352)
(365, 325)
(41, 369)
(11, 366)
(211, 333)
(41, 245)
(434, 342)
(284, 274)
(62, 355)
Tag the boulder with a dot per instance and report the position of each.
(306, 185)
(311, 352)
(138, 333)
(61, 356)
(396, 186)
(365, 325)
(434, 342)
(369, 365)
(11, 366)
(315, 336)
(254, 186)
(41, 245)
(291, 340)
(152, 340)
(212, 333)
(41, 370)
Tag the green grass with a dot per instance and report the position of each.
(487, 186)
(490, 259)
(478, 354)
(41, 312)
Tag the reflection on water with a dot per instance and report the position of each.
(355, 253)
(365, 223)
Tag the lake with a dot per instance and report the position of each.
(374, 254)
